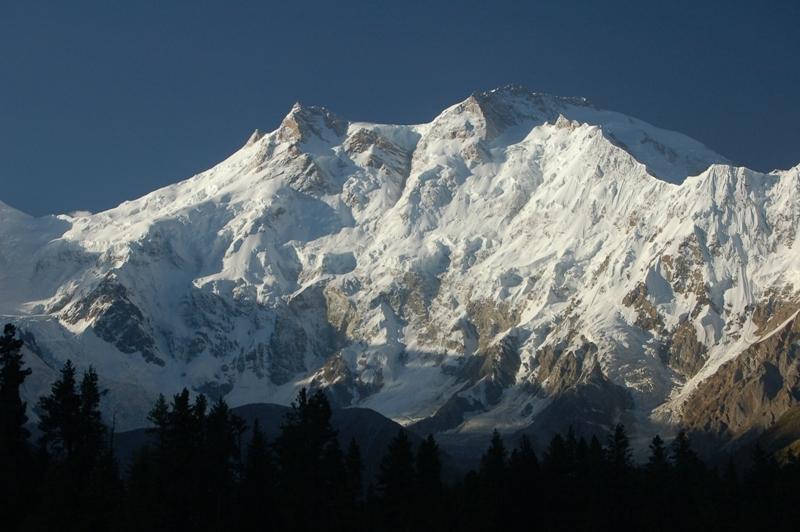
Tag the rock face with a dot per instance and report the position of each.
(522, 261)
(783, 437)
(751, 392)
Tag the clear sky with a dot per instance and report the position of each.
(105, 101)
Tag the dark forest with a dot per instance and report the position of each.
(201, 474)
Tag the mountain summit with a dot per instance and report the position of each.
(523, 261)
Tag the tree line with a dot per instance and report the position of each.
(205, 469)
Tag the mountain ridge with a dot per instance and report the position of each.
(521, 252)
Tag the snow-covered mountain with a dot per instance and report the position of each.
(521, 261)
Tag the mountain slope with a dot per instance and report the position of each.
(519, 259)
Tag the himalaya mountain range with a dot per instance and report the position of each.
(523, 262)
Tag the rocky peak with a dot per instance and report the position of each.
(562, 122)
(254, 137)
(515, 105)
(491, 114)
(522, 99)
(305, 123)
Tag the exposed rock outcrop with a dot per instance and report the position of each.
(752, 391)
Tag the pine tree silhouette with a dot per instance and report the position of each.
(493, 462)
(493, 479)
(91, 442)
(760, 484)
(523, 482)
(729, 507)
(354, 470)
(429, 469)
(59, 421)
(352, 506)
(571, 447)
(183, 471)
(685, 459)
(619, 451)
(16, 474)
(220, 457)
(396, 482)
(657, 471)
(82, 488)
(305, 450)
(686, 490)
(596, 453)
(159, 417)
(145, 494)
(257, 490)
(429, 484)
(658, 463)
(556, 456)
(13, 417)
(618, 482)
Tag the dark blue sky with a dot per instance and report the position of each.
(105, 101)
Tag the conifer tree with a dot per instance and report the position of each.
(493, 462)
(102, 492)
(334, 476)
(596, 453)
(729, 505)
(304, 454)
(682, 453)
(688, 472)
(183, 471)
(82, 487)
(687, 465)
(16, 473)
(429, 468)
(13, 434)
(493, 478)
(185, 427)
(657, 463)
(220, 457)
(619, 452)
(571, 447)
(258, 465)
(656, 476)
(396, 474)
(354, 469)
(145, 493)
(60, 421)
(159, 417)
(257, 492)
(95, 459)
(166, 487)
(617, 484)
(556, 457)
(91, 443)
(352, 508)
(396, 481)
(429, 483)
(523, 481)
(523, 459)
(199, 409)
